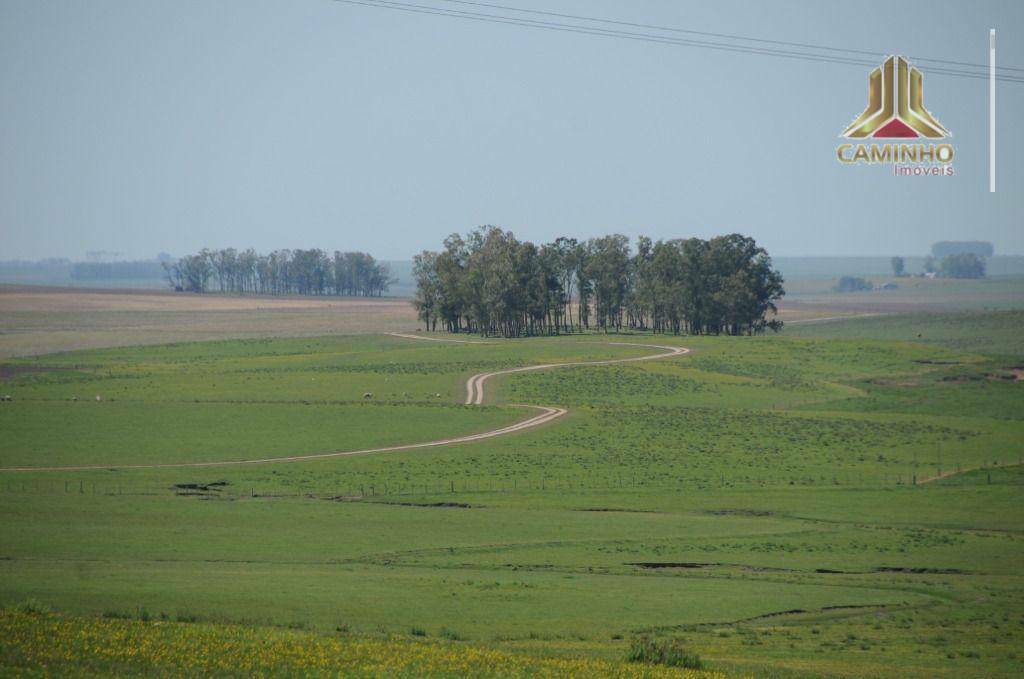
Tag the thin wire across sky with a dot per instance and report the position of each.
(730, 36)
(572, 24)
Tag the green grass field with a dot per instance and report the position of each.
(767, 501)
(996, 333)
(913, 294)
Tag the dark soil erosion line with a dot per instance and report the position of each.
(679, 564)
(624, 511)
(450, 505)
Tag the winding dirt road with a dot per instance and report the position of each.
(475, 384)
(474, 396)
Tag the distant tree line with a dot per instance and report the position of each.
(959, 259)
(966, 263)
(138, 270)
(899, 267)
(491, 283)
(852, 284)
(282, 272)
(962, 265)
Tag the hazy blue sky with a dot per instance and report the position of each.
(144, 125)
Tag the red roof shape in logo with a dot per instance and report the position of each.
(895, 129)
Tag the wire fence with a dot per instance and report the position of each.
(388, 488)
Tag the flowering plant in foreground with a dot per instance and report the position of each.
(44, 643)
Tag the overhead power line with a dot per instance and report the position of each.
(730, 36)
(646, 37)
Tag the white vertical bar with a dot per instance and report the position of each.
(992, 111)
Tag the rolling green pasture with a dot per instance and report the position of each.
(996, 333)
(767, 500)
(252, 399)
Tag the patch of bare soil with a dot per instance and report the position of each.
(960, 379)
(199, 489)
(739, 512)
(611, 509)
(916, 570)
(1014, 374)
(451, 505)
(672, 564)
(920, 570)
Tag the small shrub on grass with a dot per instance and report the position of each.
(667, 652)
(115, 615)
(418, 632)
(33, 606)
(450, 635)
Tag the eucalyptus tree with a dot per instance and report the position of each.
(491, 283)
(428, 288)
(607, 268)
(301, 272)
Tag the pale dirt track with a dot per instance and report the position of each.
(474, 396)
(954, 472)
(475, 384)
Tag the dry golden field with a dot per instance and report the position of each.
(40, 320)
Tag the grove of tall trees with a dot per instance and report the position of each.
(962, 265)
(282, 272)
(489, 282)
